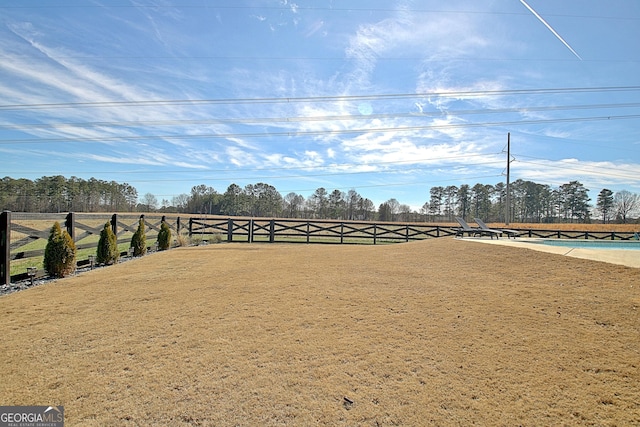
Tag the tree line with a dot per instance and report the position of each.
(60, 194)
(528, 202)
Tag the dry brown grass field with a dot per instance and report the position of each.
(438, 332)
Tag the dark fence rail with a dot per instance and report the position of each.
(23, 235)
(313, 231)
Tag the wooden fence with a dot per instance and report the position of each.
(313, 231)
(23, 236)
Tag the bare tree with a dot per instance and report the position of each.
(394, 208)
(292, 205)
(626, 204)
(405, 213)
(149, 202)
(180, 202)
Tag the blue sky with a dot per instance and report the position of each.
(389, 98)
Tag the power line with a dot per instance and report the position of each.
(300, 8)
(302, 119)
(311, 58)
(313, 175)
(347, 170)
(279, 100)
(312, 133)
(316, 167)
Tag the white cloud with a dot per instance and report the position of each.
(124, 159)
(595, 175)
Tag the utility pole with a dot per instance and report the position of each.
(507, 208)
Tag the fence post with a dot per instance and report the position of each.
(341, 232)
(230, 230)
(70, 223)
(5, 245)
(250, 232)
(375, 229)
(178, 225)
(190, 227)
(407, 233)
(272, 229)
(114, 224)
(308, 231)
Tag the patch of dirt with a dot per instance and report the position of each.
(438, 332)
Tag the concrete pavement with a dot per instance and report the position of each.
(628, 257)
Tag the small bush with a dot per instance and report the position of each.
(182, 239)
(60, 253)
(164, 237)
(107, 246)
(139, 240)
(204, 239)
(196, 239)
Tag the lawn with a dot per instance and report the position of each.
(437, 332)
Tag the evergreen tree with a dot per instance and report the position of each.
(384, 212)
(139, 240)
(60, 253)
(164, 236)
(576, 201)
(464, 201)
(107, 252)
(435, 202)
(604, 204)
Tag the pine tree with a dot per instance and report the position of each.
(604, 203)
(60, 253)
(107, 252)
(139, 240)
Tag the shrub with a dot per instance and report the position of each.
(107, 246)
(139, 240)
(164, 237)
(60, 253)
(182, 238)
(196, 239)
(203, 239)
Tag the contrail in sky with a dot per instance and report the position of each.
(550, 29)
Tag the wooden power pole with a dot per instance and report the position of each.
(507, 209)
